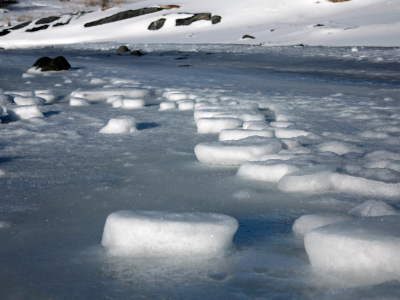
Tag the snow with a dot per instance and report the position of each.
(216, 125)
(76, 101)
(155, 234)
(29, 100)
(366, 248)
(306, 223)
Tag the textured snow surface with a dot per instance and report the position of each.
(152, 233)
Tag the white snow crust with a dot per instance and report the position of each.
(125, 124)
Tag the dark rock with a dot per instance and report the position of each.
(47, 20)
(124, 15)
(1, 48)
(179, 58)
(37, 28)
(136, 53)
(4, 32)
(122, 49)
(300, 45)
(185, 66)
(190, 20)
(215, 19)
(246, 36)
(319, 25)
(19, 26)
(119, 54)
(62, 24)
(47, 64)
(209, 53)
(157, 24)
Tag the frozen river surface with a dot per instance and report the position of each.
(335, 109)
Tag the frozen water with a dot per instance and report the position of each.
(155, 234)
(167, 105)
(102, 95)
(363, 250)
(265, 172)
(120, 125)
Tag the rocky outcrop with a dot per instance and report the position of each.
(124, 15)
(62, 24)
(37, 28)
(190, 20)
(122, 49)
(19, 26)
(215, 19)
(47, 64)
(246, 37)
(4, 32)
(157, 24)
(47, 20)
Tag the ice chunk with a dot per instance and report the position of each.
(75, 101)
(246, 124)
(265, 172)
(166, 234)
(235, 153)
(133, 103)
(103, 94)
(186, 105)
(21, 93)
(114, 98)
(215, 125)
(29, 100)
(237, 134)
(290, 133)
(177, 96)
(252, 117)
(282, 124)
(258, 126)
(361, 250)
(97, 81)
(24, 112)
(307, 223)
(167, 105)
(125, 124)
(373, 208)
(339, 148)
(48, 95)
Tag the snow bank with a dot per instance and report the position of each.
(75, 101)
(237, 134)
(24, 112)
(103, 94)
(235, 152)
(307, 223)
(265, 172)
(124, 124)
(215, 125)
(165, 234)
(364, 249)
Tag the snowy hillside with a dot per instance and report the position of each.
(269, 22)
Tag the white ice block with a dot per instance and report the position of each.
(307, 223)
(103, 94)
(265, 172)
(215, 125)
(362, 249)
(166, 234)
(24, 112)
(120, 125)
(373, 208)
(167, 105)
(235, 153)
(19, 100)
(75, 101)
(237, 134)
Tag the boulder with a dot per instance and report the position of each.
(47, 20)
(122, 49)
(37, 28)
(4, 32)
(190, 20)
(47, 64)
(19, 26)
(215, 19)
(246, 37)
(157, 24)
(136, 53)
